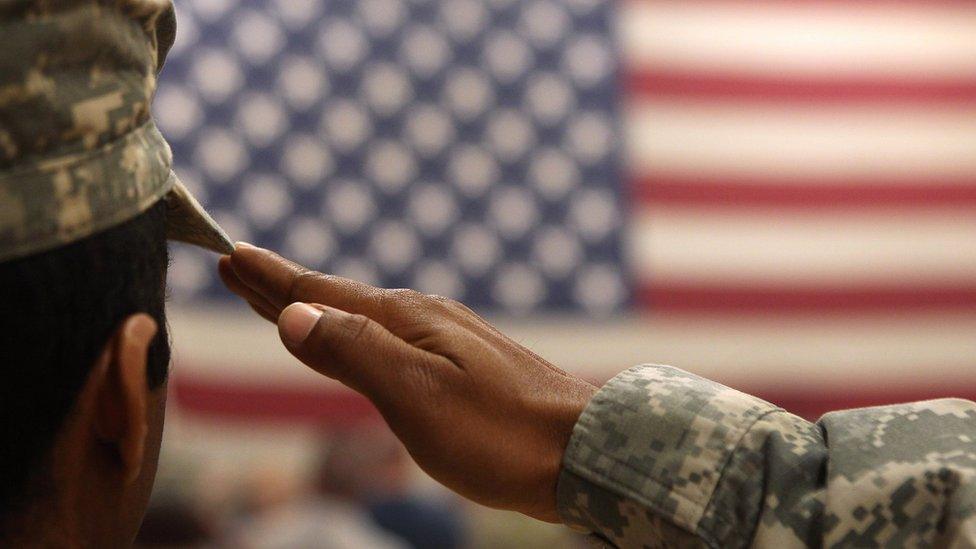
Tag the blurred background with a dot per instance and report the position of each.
(780, 195)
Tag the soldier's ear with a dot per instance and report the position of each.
(119, 387)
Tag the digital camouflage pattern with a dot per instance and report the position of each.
(664, 458)
(79, 151)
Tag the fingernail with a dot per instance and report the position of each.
(242, 244)
(297, 321)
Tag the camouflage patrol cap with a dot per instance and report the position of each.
(79, 151)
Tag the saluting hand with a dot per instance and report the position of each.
(483, 415)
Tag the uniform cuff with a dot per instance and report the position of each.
(655, 439)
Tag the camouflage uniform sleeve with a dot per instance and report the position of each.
(663, 458)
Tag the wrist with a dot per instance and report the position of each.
(565, 413)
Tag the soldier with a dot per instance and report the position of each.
(657, 457)
(87, 202)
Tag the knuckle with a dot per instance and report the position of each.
(448, 305)
(427, 377)
(405, 296)
(357, 327)
(454, 305)
(425, 382)
(443, 300)
(403, 304)
(301, 283)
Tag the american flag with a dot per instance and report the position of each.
(775, 193)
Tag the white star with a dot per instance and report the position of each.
(342, 45)
(306, 161)
(301, 81)
(390, 165)
(221, 154)
(266, 200)
(257, 36)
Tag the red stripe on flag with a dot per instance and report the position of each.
(744, 88)
(729, 192)
(677, 298)
(283, 403)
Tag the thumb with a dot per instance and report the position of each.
(350, 348)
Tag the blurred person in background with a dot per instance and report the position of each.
(370, 468)
(657, 457)
(360, 496)
(277, 515)
(87, 203)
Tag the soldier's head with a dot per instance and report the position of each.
(82, 385)
(87, 203)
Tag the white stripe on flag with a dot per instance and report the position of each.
(795, 247)
(833, 141)
(863, 39)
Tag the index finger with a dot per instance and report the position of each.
(282, 282)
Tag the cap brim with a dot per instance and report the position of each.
(187, 221)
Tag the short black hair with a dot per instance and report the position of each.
(58, 310)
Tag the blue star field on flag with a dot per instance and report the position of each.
(466, 148)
